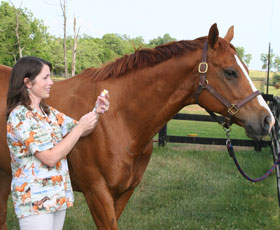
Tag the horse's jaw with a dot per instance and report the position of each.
(257, 132)
(251, 134)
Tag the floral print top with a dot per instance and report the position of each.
(37, 188)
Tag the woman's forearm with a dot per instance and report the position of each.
(51, 156)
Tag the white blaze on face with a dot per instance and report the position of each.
(260, 98)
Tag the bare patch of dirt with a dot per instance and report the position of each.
(193, 109)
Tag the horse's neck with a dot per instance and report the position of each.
(156, 94)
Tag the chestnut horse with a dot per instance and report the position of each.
(147, 89)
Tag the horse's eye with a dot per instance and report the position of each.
(230, 73)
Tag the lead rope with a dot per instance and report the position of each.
(232, 155)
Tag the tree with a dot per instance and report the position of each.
(276, 80)
(276, 63)
(76, 34)
(17, 12)
(161, 40)
(134, 43)
(63, 8)
(89, 54)
(32, 34)
(116, 43)
(246, 58)
(264, 59)
(138, 41)
(54, 54)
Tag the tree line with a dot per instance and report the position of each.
(21, 34)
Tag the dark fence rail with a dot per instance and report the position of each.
(163, 137)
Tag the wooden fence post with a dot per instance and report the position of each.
(162, 136)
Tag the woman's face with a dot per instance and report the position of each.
(40, 87)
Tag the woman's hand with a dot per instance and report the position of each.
(102, 104)
(87, 123)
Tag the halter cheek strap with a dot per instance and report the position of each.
(232, 108)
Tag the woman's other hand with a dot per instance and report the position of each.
(87, 123)
(102, 104)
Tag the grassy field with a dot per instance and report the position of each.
(193, 188)
(259, 78)
(202, 190)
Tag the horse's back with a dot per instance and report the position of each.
(5, 72)
(72, 97)
(4, 152)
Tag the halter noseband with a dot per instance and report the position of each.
(232, 108)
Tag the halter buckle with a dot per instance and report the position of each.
(203, 64)
(232, 110)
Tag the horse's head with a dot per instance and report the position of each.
(226, 87)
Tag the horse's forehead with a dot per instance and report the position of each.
(224, 55)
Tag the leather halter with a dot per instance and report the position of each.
(232, 108)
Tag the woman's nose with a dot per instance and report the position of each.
(51, 82)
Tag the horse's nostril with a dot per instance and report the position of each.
(266, 123)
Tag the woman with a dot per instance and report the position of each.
(39, 138)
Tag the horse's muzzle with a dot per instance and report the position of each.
(257, 130)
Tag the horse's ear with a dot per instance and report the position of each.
(229, 35)
(213, 36)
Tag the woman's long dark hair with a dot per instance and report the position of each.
(26, 67)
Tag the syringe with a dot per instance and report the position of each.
(103, 94)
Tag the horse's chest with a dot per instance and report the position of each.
(128, 173)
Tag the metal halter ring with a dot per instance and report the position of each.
(200, 69)
(232, 110)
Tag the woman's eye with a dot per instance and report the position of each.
(230, 73)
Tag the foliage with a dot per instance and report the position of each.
(32, 32)
(264, 59)
(54, 54)
(91, 51)
(161, 40)
(116, 43)
(246, 58)
(276, 63)
(276, 79)
(137, 42)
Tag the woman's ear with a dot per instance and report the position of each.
(27, 82)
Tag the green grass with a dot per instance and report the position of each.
(261, 74)
(202, 129)
(273, 90)
(193, 190)
(210, 129)
(202, 190)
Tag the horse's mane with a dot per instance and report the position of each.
(146, 57)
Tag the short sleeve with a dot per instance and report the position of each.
(66, 123)
(25, 130)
